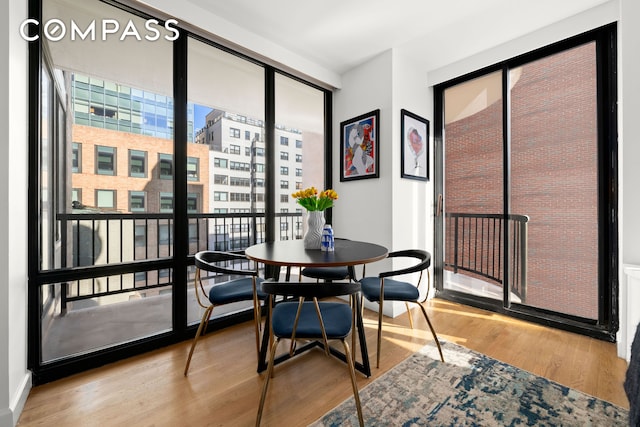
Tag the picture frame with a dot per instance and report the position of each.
(360, 147)
(414, 146)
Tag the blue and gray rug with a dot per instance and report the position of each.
(470, 389)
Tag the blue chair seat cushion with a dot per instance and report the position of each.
(326, 273)
(234, 291)
(335, 315)
(395, 290)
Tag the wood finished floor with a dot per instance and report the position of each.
(223, 388)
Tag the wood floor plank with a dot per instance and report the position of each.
(223, 388)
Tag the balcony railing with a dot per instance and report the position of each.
(475, 243)
(104, 239)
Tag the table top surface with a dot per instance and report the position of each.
(293, 253)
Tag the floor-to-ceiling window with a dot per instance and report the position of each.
(153, 144)
(528, 186)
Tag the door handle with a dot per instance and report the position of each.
(439, 205)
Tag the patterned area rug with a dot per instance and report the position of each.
(470, 389)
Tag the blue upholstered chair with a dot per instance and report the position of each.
(310, 318)
(385, 288)
(329, 274)
(242, 285)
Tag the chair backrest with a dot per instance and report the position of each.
(218, 262)
(309, 289)
(423, 256)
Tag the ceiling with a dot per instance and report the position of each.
(342, 34)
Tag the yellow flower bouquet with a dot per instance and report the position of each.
(311, 201)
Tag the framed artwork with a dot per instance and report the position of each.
(415, 146)
(359, 147)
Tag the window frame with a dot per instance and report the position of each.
(112, 152)
(606, 64)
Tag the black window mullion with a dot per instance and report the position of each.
(270, 154)
(180, 217)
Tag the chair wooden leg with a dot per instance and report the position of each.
(267, 377)
(354, 306)
(201, 327)
(381, 302)
(409, 313)
(256, 321)
(433, 332)
(354, 384)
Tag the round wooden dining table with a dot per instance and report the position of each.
(291, 253)
(285, 253)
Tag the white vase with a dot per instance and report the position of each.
(313, 236)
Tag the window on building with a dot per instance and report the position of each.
(298, 158)
(298, 172)
(298, 143)
(256, 136)
(234, 149)
(284, 170)
(284, 184)
(284, 140)
(298, 185)
(166, 202)
(105, 160)
(259, 152)
(220, 196)
(220, 179)
(137, 201)
(192, 202)
(106, 199)
(247, 135)
(165, 166)
(220, 163)
(193, 164)
(259, 182)
(240, 166)
(284, 198)
(240, 197)
(76, 157)
(234, 133)
(284, 155)
(259, 167)
(240, 182)
(137, 163)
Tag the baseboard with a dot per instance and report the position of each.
(9, 416)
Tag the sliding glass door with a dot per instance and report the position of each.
(528, 187)
(147, 148)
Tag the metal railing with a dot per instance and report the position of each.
(475, 243)
(133, 241)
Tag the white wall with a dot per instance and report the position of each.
(363, 210)
(14, 377)
(388, 210)
(412, 220)
(629, 155)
